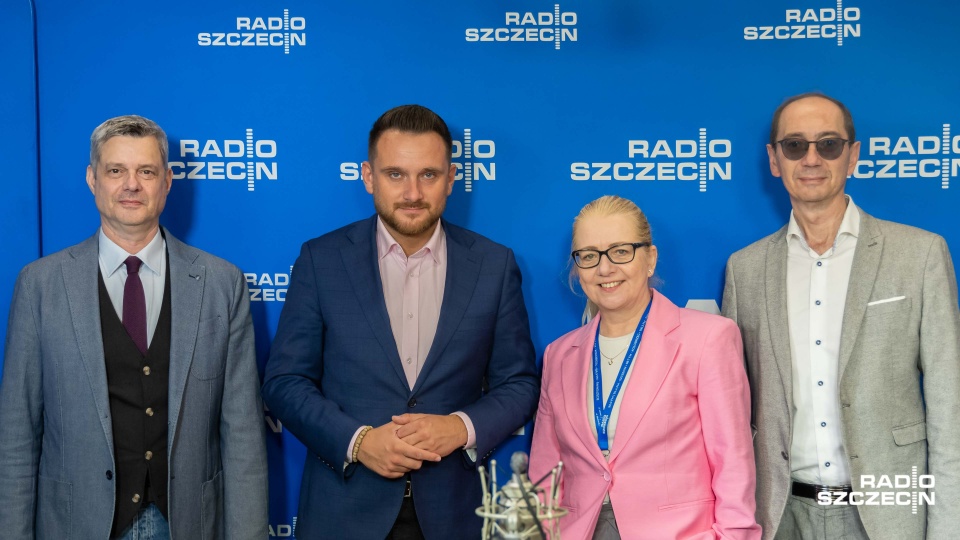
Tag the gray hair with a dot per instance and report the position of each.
(131, 126)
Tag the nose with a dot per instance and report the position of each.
(131, 182)
(412, 190)
(605, 266)
(811, 158)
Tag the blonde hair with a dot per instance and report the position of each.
(609, 205)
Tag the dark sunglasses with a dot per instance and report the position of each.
(795, 148)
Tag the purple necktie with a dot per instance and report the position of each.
(135, 305)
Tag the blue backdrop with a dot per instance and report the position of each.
(268, 105)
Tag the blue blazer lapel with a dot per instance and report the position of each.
(863, 275)
(363, 271)
(80, 282)
(463, 272)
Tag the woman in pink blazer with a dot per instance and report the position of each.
(670, 454)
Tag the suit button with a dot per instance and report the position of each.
(149, 411)
(784, 454)
(109, 475)
(146, 370)
(148, 456)
(412, 403)
(136, 498)
(606, 476)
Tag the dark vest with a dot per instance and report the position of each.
(137, 386)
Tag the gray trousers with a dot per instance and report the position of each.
(804, 519)
(606, 525)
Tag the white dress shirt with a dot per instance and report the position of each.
(816, 295)
(153, 273)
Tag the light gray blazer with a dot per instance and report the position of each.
(899, 371)
(56, 439)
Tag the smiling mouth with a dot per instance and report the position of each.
(610, 285)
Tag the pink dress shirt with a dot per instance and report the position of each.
(413, 291)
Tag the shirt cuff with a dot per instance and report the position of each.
(471, 434)
(353, 441)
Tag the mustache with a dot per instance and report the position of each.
(411, 206)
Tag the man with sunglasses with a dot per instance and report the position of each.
(851, 333)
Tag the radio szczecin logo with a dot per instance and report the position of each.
(543, 26)
(267, 287)
(837, 22)
(285, 31)
(926, 156)
(248, 159)
(913, 490)
(691, 160)
(473, 159)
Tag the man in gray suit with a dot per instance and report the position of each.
(852, 340)
(129, 402)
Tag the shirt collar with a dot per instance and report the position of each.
(113, 255)
(849, 225)
(387, 244)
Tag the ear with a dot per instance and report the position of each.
(774, 164)
(169, 180)
(451, 176)
(854, 157)
(652, 256)
(366, 172)
(91, 179)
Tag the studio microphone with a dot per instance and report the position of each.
(520, 510)
(519, 462)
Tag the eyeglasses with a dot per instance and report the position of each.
(795, 148)
(618, 254)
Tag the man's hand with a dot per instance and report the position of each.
(432, 432)
(384, 453)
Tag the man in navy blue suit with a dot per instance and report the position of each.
(403, 354)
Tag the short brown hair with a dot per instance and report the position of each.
(409, 119)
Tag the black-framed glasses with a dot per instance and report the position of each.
(618, 254)
(795, 148)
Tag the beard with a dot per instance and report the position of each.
(407, 227)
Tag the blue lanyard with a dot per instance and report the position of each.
(601, 412)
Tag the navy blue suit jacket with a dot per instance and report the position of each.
(334, 367)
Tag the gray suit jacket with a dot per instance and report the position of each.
(899, 372)
(56, 440)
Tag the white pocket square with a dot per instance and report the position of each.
(885, 300)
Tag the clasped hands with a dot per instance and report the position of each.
(402, 445)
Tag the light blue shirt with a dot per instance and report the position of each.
(153, 272)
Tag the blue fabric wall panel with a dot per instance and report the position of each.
(306, 80)
(19, 207)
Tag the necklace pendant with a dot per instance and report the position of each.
(609, 361)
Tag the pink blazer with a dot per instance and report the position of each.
(681, 465)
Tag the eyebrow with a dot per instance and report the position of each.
(386, 169)
(117, 164)
(610, 245)
(818, 136)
